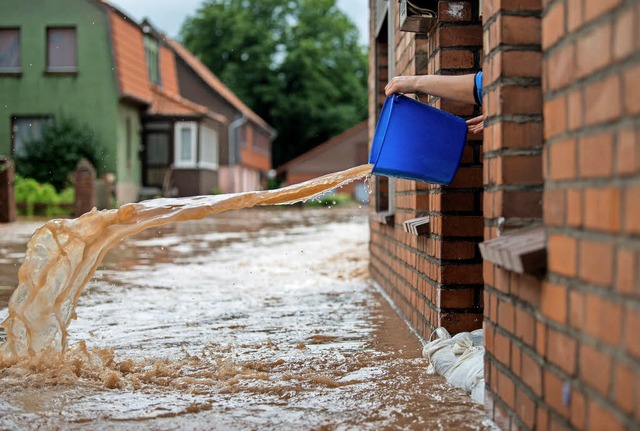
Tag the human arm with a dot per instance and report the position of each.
(454, 87)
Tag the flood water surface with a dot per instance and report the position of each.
(255, 319)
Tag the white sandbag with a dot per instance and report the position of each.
(468, 369)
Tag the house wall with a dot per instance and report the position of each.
(435, 279)
(128, 144)
(88, 96)
(562, 150)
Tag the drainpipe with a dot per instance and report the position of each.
(233, 146)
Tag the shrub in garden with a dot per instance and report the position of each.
(55, 156)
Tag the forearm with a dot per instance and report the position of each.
(454, 87)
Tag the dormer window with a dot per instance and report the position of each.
(151, 51)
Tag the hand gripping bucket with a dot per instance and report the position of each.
(416, 141)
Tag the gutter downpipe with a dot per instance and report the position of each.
(233, 145)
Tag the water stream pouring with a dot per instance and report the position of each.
(416, 141)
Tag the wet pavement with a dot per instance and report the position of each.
(254, 319)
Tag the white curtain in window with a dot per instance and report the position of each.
(208, 148)
(185, 144)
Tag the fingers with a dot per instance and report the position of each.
(475, 120)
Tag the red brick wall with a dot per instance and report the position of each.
(435, 279)
(563, 350)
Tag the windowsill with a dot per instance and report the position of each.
(11, 71)
(72, 71)
(386, 218)
(521, 252)
(417, 226)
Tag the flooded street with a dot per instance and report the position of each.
(253, 319)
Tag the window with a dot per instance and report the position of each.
(61, 50)
(151, 52)
(185, 149)
(26, 129)
(9, 50)
(208, 148)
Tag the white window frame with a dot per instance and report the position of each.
(214, 143)
(178, 162)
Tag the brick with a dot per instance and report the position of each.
(554, 302)
(506, 316)
(575, 108)
(519, 100)
(554, 208)
(555, 116)
(574, 14)
(631, 91)
(502, 349)
(532, 373)
(632, 331)
(521, 64)
(628, 152)
(623, 36)
(562, 351)
(525, 327)
(603, 319)
(600, 418)
(459, 36)
(626, 271)
(602, 209)
(593, 10)
(562, 160)
(522, 169)
(632, 209)
(456, 59)
(578, 409)
(542, 419)
(506, 390)
(553, 390)
(525, 408)
(577, 307)
(553, 25)
(574, 207)
(594, 51)
(521, 203)
(562, 255)
(456, 298)
(596, 262)
(561, 67)
(603, 101)
(595, 369)
(519, 30)
(596, 156)
(520, 135)
(623, 393)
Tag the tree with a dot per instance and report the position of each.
(53, 157)
(297, 63)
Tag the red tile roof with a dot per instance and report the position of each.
(167, 104)
(130, 62)
(214, 82)
(168, 71)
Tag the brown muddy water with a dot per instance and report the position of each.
(254, 319)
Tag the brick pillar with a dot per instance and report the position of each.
(513, 191)
(85, 186)
(455, 211)
(7, 197)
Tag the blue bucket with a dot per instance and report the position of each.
(416, 141)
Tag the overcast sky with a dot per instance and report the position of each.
(168, 15)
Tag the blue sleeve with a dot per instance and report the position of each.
(477, 88)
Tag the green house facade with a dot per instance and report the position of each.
(56, 61)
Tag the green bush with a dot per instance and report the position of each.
(34, 198)
(55, 156)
